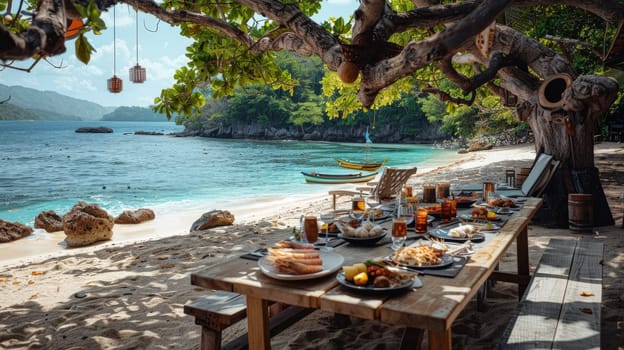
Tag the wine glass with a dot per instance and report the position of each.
(358, 207)
(456, 190)
(327, 218)
(405, 212)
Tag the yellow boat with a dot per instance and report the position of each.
(366, 166)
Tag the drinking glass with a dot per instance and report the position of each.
(429, 193)
(358, 207)
(445, 212)
(487, 188)
(456, 190)
(399, 233)
(327, 218)
(443, 190)
(421, 220)
(310, 228)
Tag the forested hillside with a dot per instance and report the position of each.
(10, 111)
(51, 105)
(134, 114)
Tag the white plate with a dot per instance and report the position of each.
(444, 234)
(332, 262)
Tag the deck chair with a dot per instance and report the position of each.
(537, 180)
(389, 184)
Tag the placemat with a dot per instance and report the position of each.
(450, 271)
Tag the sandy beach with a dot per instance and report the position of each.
(129, 293)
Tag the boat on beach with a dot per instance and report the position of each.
(314, 177)
(366, 166)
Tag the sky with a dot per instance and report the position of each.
(161, 52)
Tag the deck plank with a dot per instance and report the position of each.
(538, 315)
(579, 325)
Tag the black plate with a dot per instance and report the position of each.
(445, 261)
(363, 240)
(466, 204)
(369, 288)
(444, 234)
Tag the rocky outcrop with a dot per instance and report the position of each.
(422, 132)
(135, 216)
(87, 223)
(479, 146)
(96, 130)
(10, 231)
(212, 219)
(49, 220)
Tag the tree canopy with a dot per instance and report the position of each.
(391, 47)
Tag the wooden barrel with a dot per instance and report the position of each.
(580, 212)
(521, 175)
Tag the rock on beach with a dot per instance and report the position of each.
(135, 216)
(11, 231)
(87, 223)
(49, 220)
(212, 219)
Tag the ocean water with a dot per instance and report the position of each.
(48, 166)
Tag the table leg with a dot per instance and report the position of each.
(258, 323)
(440, 340)
(522, 251)
(412, 338)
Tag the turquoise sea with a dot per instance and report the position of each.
(46, 165)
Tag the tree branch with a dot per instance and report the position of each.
(181, 16)
(445, 97)
(576, 42)
(44, 37)
(418, 54)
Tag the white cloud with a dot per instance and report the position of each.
(124, 17)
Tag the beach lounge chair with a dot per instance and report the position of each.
(537, 180)
(389, 184)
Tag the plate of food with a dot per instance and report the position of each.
(480, 213)
(434, 210)
(465, 202)
(422, 257)
(502, 203)
(299, 263)
(461, 233)
(365, 234)
(375, 276)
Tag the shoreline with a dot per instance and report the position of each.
(169, 222)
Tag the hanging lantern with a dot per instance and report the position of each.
(115, 84)
(137, 73)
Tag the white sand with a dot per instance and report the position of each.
(129, 293)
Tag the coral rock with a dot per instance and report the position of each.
(212, 219)
(49, 220)
(10, 231)
(135, 216)
(87, 223)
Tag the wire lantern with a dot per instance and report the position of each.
(137, 73)
(115, 84)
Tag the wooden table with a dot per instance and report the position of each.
(433, 308)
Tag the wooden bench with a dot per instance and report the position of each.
(219, 309)
(561, 306)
